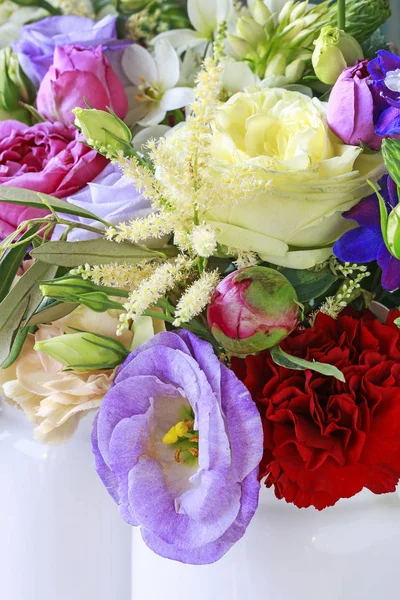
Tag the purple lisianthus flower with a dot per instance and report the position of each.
(385, 74)
(35, 48)
(194, 497)
(365, 243)
(110, 196)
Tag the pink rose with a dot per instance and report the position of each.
(77, 74)
(47, 157)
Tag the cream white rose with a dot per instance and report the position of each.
(55, 399)
(313, 177)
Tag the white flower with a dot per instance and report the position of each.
(155, 80)
(204, 15)
(237, 76)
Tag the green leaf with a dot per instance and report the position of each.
(20, 303)
(11, 261)
(281, 358)
(383, 213)
(309, 284)
(25, 197)
(397, 322)
(18, 343)
(51, 311)
(393, 232)
(96, 252)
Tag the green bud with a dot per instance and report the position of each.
(82, 291)
(84, 351)
(15, 87)
(334, 51)
(284, 15)
(104, 131)
(276, 66)
(294, 71)
(241, 48)
(261, 12)
(298, 10)
(251, 31)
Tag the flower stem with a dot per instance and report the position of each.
(341, 13)
(49, 7)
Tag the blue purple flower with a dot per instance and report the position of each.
(365, 243)
(37, 42)
(177, 443)
(385, 74)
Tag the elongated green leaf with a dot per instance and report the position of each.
(17, 345)
(309, 284)
(96, 252)
(280, 357)
(397, 322)
(11, 262)
(20, 303)
(52, 312)
(383, 213)
(24, 197)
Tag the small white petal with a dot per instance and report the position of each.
(206, 14)
(182, 39)
(139, 65)
(238, 76)
(154, 116)
(177, 98)
(167, 64)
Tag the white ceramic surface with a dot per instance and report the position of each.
(61, 537)
(348, 552)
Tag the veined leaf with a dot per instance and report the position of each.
(96, 252)
(25, 197)
(20, 303)
(16, 348)
(309, 284)
(281, 358)
(11, 261)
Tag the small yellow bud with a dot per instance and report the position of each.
(334, 51)
(285, 12)
(240, 47)
(299, 10)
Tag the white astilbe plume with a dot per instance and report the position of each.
(150, 290)
(196, 297)
(125, 276)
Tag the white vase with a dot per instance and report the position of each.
(61, 537)
(347, 552)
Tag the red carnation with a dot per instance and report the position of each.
(323, 439)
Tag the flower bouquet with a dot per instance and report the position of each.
(200, 228)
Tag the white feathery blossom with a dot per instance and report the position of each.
(196, 297)
(125, 276)
(204, 241)
(163, 280)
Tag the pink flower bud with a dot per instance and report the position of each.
(252, 309)
(78, 74)
(353, 106)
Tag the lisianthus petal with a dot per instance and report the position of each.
(358, 245)
(212, 552)
(146, 481)
(154, 116)
(139, 66)
(390, 269)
